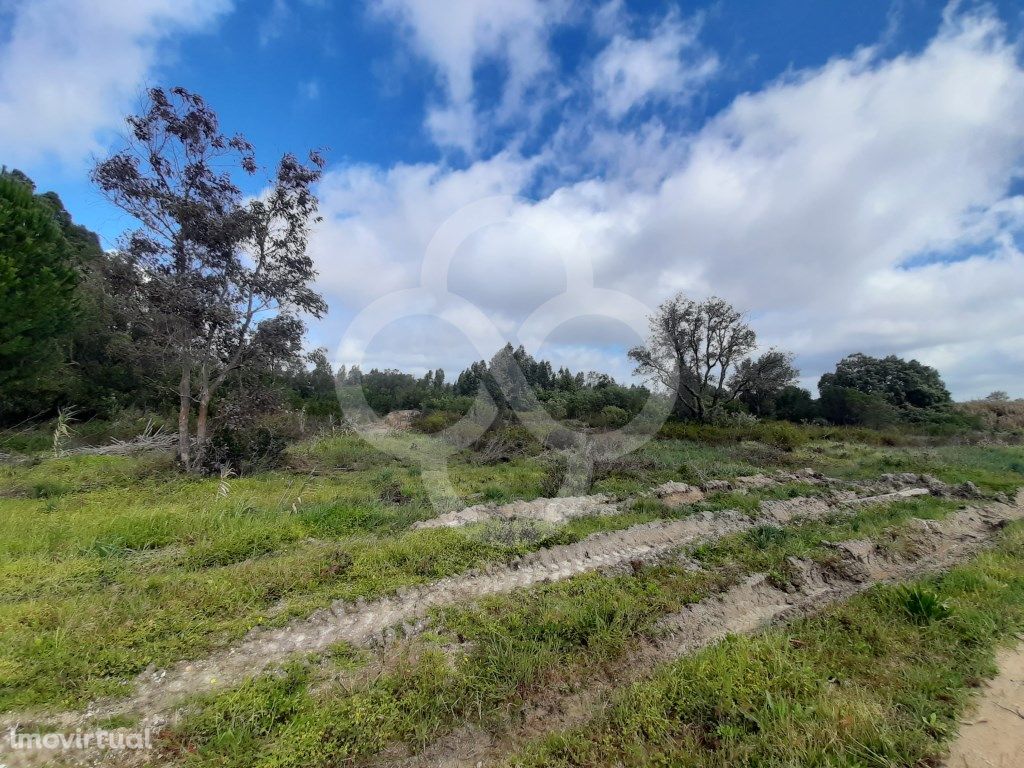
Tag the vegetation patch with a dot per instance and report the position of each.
(879, 680)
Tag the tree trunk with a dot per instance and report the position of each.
(184, 411)
(201, 424)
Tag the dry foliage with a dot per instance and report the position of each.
(1001, 415)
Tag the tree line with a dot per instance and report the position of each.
(201, 310)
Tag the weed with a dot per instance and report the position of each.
(922, 605)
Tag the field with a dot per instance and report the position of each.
(301, 617)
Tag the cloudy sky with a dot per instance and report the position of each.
(546, 172)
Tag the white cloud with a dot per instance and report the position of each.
(68, 69)
(459, 35)
(668, 65)
(377, 224)
(802, 203)
(273, 24)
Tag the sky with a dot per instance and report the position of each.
(849, 174)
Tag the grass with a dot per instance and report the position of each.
(510, 647)
(131, 564)
(483, 662)
(111, 564)
(877, 681)
(992, 468)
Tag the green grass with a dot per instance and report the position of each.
(991, 468)
(765, 548)
(132, 564)
(514, 646)
(870, 683)
(482, 662)
(110, 564)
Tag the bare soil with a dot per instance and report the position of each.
(745, 608)
(554, 510)
(742, 609)
(993, 734)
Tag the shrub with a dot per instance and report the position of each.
(245, 449)
(505, 441)
(777, 434)
(634, 466)
(560, 439)
(610, 416)
(795, 404)
(844, 405)
(436, 421)
(999, 415)
(781, 435)
(388, 488)
(554, 474)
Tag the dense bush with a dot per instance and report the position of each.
(505, 441)
(900, 383)
(795, 404)
(435, 421)
(778, 434)
(246, 450)
(846, 406)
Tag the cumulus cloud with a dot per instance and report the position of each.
(862, 205)
(68, 69)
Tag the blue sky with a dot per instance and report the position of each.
(848, 173)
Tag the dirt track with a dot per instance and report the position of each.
(745, 608)
(993, 736)
(360, 623)
(363, 624)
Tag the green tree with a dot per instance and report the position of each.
(847, 406)
(37, 290)
(794, 403)
(226, 277)
(901, 383)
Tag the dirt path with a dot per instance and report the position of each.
(745, 608)
(993, 737)
(555, 510)
(364, 623)
(157, 693)
(369, 623)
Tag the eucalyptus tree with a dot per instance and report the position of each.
(224, 279)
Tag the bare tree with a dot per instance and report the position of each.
(223, 279)
(757, 382)
(700, 351)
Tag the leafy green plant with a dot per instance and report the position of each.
(922, 605)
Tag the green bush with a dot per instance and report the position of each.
(781, 434)
(777, 434)
(844, 405)
(611, 416)
(435, 421)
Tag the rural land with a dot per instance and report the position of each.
(232, 541)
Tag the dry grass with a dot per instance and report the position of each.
(999, 415)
